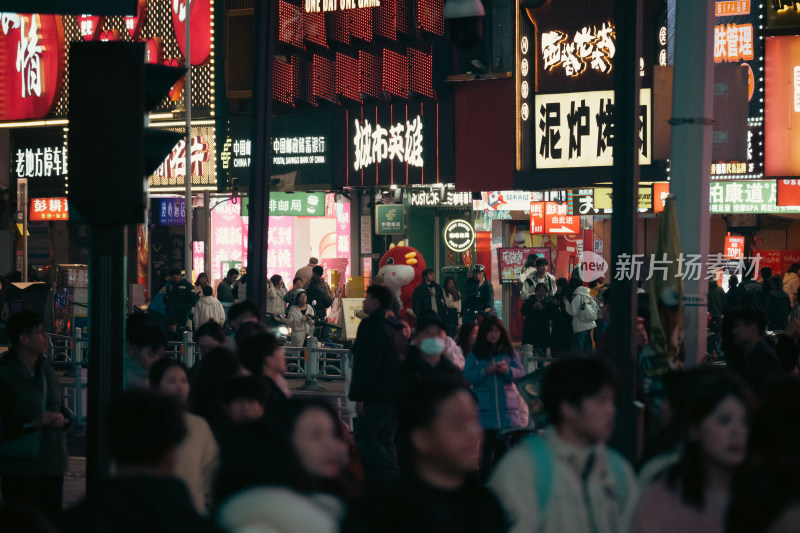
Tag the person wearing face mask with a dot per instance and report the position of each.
(426, 354)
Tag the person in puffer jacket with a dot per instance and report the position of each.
(584, 312)
(492, 367)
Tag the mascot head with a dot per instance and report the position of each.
(400, 265)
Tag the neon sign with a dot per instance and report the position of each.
(590, 48)
(318, 6)
(401, 141)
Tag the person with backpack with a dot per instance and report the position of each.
(566, 480)
(584, 312)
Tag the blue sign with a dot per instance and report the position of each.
(171, 211)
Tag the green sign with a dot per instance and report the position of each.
(459, 235)
(291, 204)
(389, 219)
(747, 197)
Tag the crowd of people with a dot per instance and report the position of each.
(451, 433)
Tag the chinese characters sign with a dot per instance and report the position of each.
(401, 141)
(228, 238)
(31, 65)
(553, 217)
(280, 247)
(169, 177)
(733, 43)
(590, 47)
(577, 129)
(789, 192)
(734, 247)
(48, 209)
(503, 201)
(731, 8)
(40, 155)
(171, 211)
(389, 219)
(511, 261)
(747, 197)
(459, 235)
(438, 197)
(309, 150)
(297, 204)
(398, 144)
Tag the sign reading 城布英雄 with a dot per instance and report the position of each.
(400, 144)
(577, 129)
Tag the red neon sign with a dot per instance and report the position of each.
(31, 65)
(48, 209)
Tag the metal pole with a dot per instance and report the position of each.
(259, 179)
(107, 258)
(187, 95)
(22, 185)
(207, 243)
(628, 19)
(692, 109)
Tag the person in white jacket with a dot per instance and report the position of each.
(208, 308)
(276, 290)
(567, 480)
(584, 312)
(300, 318)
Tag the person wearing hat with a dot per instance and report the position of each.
(478, 296)
(426, 357)
(300, 318)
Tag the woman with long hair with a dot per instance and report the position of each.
(196, 457)
(321, 442)
(537, 311)
(200, 282)
(694, 493)
(561, 334)
(492, 368)
(216, 367)
(467, 336)
(452, 301)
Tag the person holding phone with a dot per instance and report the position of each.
(492, 367)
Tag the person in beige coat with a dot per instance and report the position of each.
(197, 456)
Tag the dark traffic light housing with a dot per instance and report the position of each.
(111, 152)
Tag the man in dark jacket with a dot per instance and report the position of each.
(425, 359)
(378, 351)
(751, 356)
(144, 429)
(180, 299)
(428, 295)
(30, 402)
(478, 296)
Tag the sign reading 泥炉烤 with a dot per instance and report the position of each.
(459, 235)
(389, 219)
(577, 129)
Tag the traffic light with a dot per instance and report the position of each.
(111, 152)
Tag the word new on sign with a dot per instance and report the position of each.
(401, 141)
(316, 6)
(577, 129)
(590, 47)
(41, 162)
(552, 217)
(48, 209)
